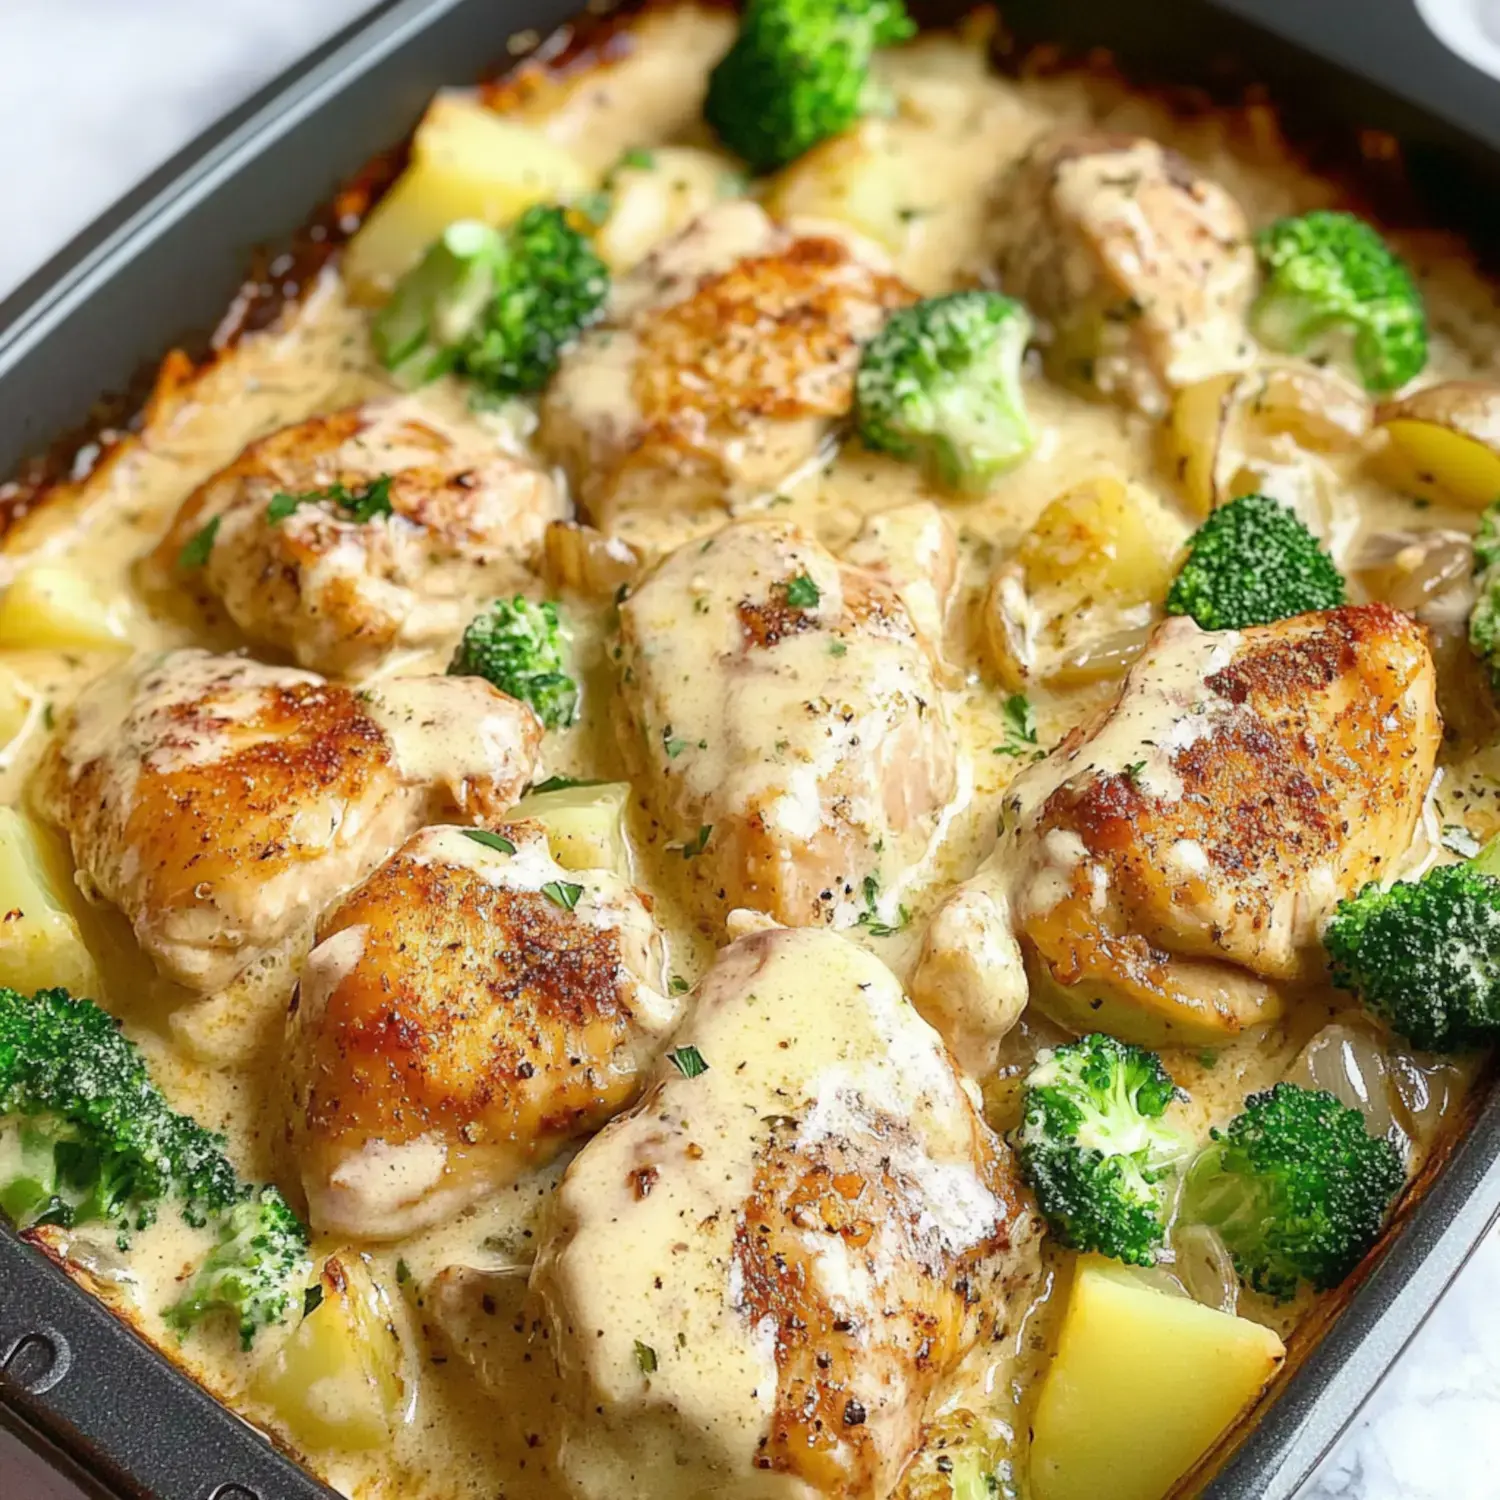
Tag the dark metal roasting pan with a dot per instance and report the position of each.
(1360, 86)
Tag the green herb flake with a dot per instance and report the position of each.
(1133, 771)
(197, 547)
(403, 1273)
(282, 505)
(639, 158)
(562, 784)
(645, 1357)
(1019, 719)
(361, 504)
(688, 1061)
(562, 893)
(312, 1299)
(49, 717)
(680, 986)
(699, 841)
(673, 744)
(1208, 1058)
(496, 841)
(802, 592)
(837, 648)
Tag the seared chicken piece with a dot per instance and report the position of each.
(914, 549)
(1140, 269)
(1171, 864)
(454, 520)
(219, 803)
(756, 1283)
(725, 358)
(468, 1011)
(786, 713)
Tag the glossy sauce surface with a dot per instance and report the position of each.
(484, 1409)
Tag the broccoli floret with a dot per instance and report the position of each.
(420, 332)
(550, 285)
(94, 1137)
(1425, 955)
(1251, 562)
(1484, 618)
(1092, 1147)
(91, 1138)
(1334, 287)
(517, 646)
(941, 384)
(1296, 1187)
(798, 72)
(498, 307)
(251, 1272)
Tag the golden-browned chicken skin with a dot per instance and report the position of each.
(467, 1012)
(724, 360)
(336, 588)
(1171, 863)
(786, 713)
(761, 1276)
(1139, 268)
(220, 803)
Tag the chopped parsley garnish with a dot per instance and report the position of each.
(673, 744)
(699, 841)
(362, 503)
(837, 648)
(638, 158)
(312, 1299)
(802, 592)
(645, 1357)
(688, 1061)
(562, 893)
(197, 547)
(563, 784)
(1020, 726)
(1133, 771)
(403, 1273)
(680, 986)
(496, 841)
(871, 920)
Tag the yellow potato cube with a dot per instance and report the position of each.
(655, 194)
(585, 825)
(339, 1379)
(49, 607)
(1075, 602)
(1141, 1385)
(40, 941)
(467, 163)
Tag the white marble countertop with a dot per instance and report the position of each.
(95, 93)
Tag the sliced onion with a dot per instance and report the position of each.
(1350, 1063)
(1204, 1267)
(1413, 570)
(1428, 1089)
(579, 558)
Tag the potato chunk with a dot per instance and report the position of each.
(585, 824)
(53, 608)
(1141, 1384)
(1443, 443)
(466, 163)
(654, 194)
(40, 941)
(1075, 602)
(339, 1379)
